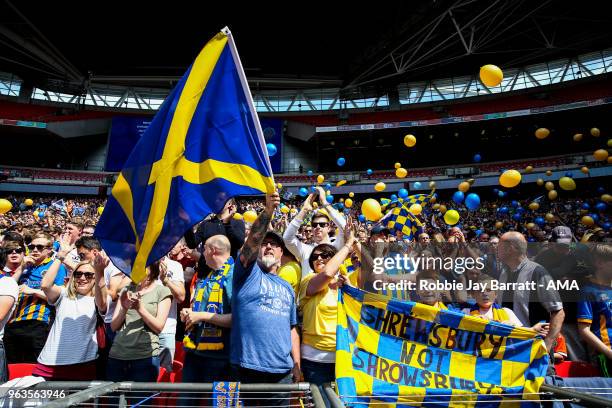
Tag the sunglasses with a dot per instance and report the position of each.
(39, 248)
(87, 275)
(320, 224)
(273, 244)
(321, 255)
(15, 251)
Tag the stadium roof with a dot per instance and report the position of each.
(364, 48)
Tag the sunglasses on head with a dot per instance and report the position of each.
(320, 224)
(322, 255)
(32, 247)
(87, 275)
(15, 251)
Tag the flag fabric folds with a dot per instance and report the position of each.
(204, 146)
(405, 354)
(401, 219)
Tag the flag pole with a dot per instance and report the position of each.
(249, 97)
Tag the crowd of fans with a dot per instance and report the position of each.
(258, 302)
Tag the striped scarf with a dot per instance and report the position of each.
(499, 314)
(206, 336)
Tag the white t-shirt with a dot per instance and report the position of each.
(175, 274)
(72, 339)
(8, 287)
(489, 316)
(109, 272)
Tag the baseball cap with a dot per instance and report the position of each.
(562, 235)
(275, 237)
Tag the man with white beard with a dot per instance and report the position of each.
(264, 346)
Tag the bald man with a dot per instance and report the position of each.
(530, 306)
(209, 319)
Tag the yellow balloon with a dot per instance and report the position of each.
(415, 209)
(499, 224)
(470, 181)
(237, 216)
(401, 172)
(540, 182)
(552, 195)
(464, 186)
(340, 183)
(436, 206)
(249, 216)
(442, 208)
(549, 185)
(600, 154)
(577, 137)
(510, 178)
(5, 206)
(432, 184)
(348, 203)
(567, 183)
(29, 202)
(370, 209)
(584, 169)
(542, 133)
(586, 220)
(380, 186)
(549, 217)
(328, 192)
(595, 132)
(534, 206)
(409, 140)
(398, 165)
(284, 209)
(528, 169)
(548, 173)
(279, 186)
(491, 75)
(609, 160)
(320, 178)
(609, 142)
(606, 198)
(351, 194)
(433, 199)
(100, 210)
(342, 200)
(293, 211)
(530, 225)
(451, 217)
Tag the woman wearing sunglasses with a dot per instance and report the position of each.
(72, 347)
(318, 303)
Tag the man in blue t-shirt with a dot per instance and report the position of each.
(265, 346)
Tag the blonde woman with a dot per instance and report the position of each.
(71, 348)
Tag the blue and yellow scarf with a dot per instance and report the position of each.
(206, 336)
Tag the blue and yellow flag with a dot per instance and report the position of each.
(401, 219)
(204, 146)
(406, 354)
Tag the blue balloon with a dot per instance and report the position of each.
(520, 210)
(361, 218)
(369, 172)
(330, 198)
(495, 190)
(477, 158)
(309, 172)
(516, 217)
(417, 184)
(313, 189)
(403, 193)
(601, 206)
(503, 210)
(515, 203)
(606, 226)
(458, 197)
(472, 201)
(478, 232)
(501, 194)
(271, 149)
(41, 214)
(586, 206)
(569, 174)
(327, 186)
(540, 221)
(601, 190)
(341, 161)
(595, 217)
(393, 197)
(303, 191)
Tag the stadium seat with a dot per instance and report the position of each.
(576, 369)
(19, 370)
